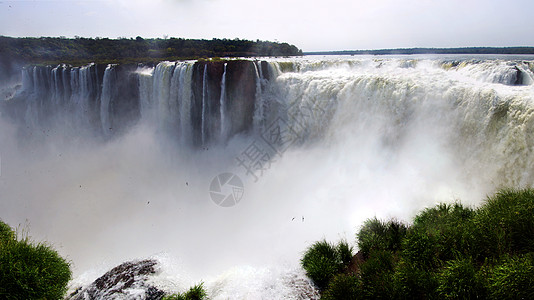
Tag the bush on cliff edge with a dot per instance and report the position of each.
(30, 270)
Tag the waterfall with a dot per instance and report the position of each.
(146, 85)
(28, 87)
(258, 117)
(84, 94)
(310, 95)
(186, 75)
(66, 84)
(56, 92)
(359, 136)
(162, 92)
(204, 103)
(105, 99)
(222, 103)
(165, 97)
(173, 123)
(77, 101)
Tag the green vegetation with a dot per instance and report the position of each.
(378, 235)
(6, 233)
(512, 278)
(196, 292)
(50, 50)
(459, 280)
(29, 270)
(449, 252)
(343, 286)
(376, 275)
(323, 261)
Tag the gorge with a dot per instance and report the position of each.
(114, 162)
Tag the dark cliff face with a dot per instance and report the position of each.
(240, 95)
(266, 70)
(96, 73)
(124, 106)
(207, 78)
(73, 96)
(9, 68)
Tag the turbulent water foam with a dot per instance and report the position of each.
(366, 137)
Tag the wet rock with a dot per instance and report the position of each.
(518, 76)
(126, 281)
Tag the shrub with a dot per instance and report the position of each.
(513, 278)
(460, 280)
(419, 249)
(322, 261)
(450, 252)
(504, 224)
(6, 233)
(442, 216)
(343, 286)
(450, 226)
(378, 235)
(377, 275)
(412, 282)
(344, 252)
(31, 271)
(196, 292)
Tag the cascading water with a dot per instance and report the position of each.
(186, 72)
(162, 92)
(258, 118)
(165, 97)
(204, 103)
(145, 76)
(360, 137)
(82, 95)
(222, 104)
(105, 99)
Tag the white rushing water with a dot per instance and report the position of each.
(363, 137)
(222, 104)
(105, 99)
(204, 103)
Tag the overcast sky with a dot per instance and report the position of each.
(310, 25)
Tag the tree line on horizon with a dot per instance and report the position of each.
(409, 51)
(80, 49)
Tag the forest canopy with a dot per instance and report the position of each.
(79, 49)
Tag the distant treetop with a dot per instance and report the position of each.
(408, 51)
(79, 49)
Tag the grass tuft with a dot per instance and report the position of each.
(196, 292)
(460, 280)
(29, 270)
(323, 260)
(379, 235)
(343, 286)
